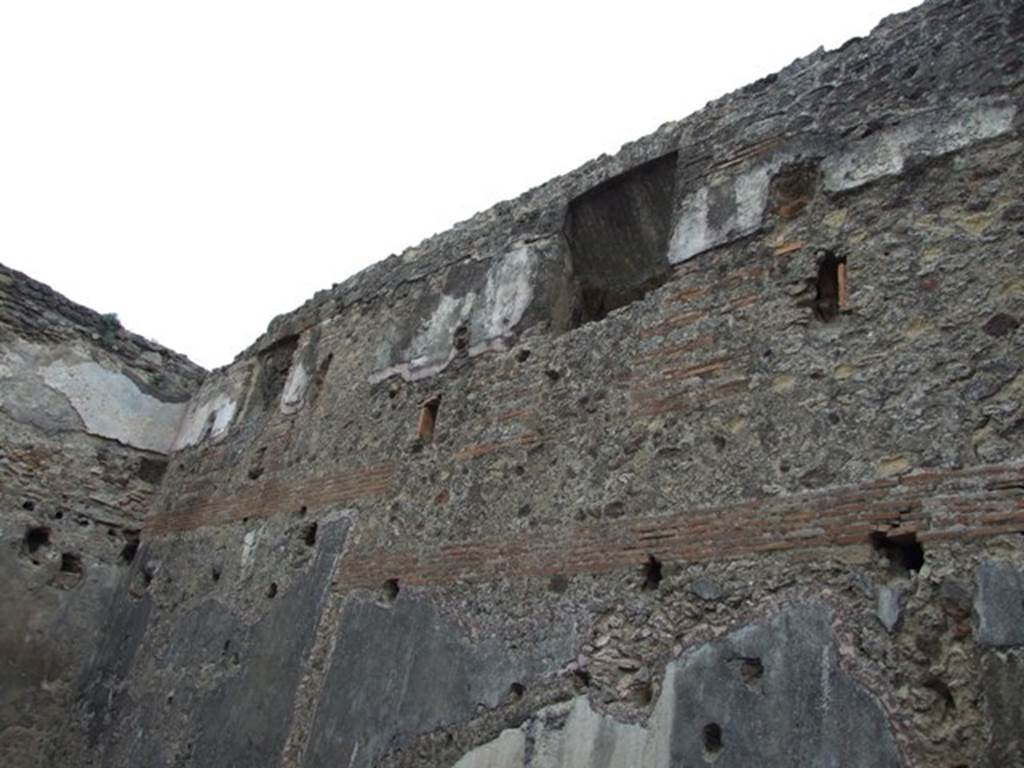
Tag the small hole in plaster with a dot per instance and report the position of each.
(751, 671)
(390, 590)
(643, 694)
(516, 691)
(712, 740)
(151, 471)
(215, 572)
(71, 564)
(651, 573)
(581, 679)
(28, 505)
(131, 546)
(522, 355)
(428, 418)
(559, 583)
(272, 590)
(309, 534)
(36, 537)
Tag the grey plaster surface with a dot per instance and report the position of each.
(999, 604)
(404, 668)
(772, 693)
(1003, 683)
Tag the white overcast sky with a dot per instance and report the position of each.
(198, 167)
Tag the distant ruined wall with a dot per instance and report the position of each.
(87, 415)
(706, 453)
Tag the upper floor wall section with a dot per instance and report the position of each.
(927, 83)
(66, 368)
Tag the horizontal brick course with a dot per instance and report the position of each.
(272, 497)
(840, 517)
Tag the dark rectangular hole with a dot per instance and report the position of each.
(275, 361)
(651, 573)
(428, 418)
(830, 286)
(903, 551)
(618, 236)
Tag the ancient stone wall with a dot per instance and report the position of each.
(706, 453)
(87, 415)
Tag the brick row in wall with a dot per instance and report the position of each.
(934, 506)
(273, 497)
(663, 378)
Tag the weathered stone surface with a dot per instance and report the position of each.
(228, 686)
(85, 409)
(506, 751)
(726, 210)
(886, 152)
(403, 668)
(999, 604)
(889, 607)
(67, 390)
(798, 707)
(575, 736)
(112, 405)
(247, 720)
(1002, 680)
(28, 400)
(489, 302)
(770, 694)
(207, 418)
(755, 364)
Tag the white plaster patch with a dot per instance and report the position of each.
(491, 316)
(742, 199)
(111, 405)
(431, 348)
(293, 396)
(747, 196)
(589, 738)
(585, 739)
(692, 234)
(885, 153)
(508, 750)
(248, 545)
(505, 299)
(11, 362)
(207, 418)
(796, 643)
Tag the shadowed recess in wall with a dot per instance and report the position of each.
(618, 238)
(275, 361)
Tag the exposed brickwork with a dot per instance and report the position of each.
(963, 504)
(273, 497)
(769, 441)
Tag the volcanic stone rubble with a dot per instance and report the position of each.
(709, 452)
